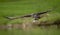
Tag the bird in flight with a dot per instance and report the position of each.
(36, 16)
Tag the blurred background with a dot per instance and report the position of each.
(23, 7)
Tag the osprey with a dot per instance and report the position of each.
(36, 16)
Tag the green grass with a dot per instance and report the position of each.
(23, 7)
(19, 8)
(37, 31)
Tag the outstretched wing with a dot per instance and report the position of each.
(26, 16)
(12, 18)
(40, 13)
